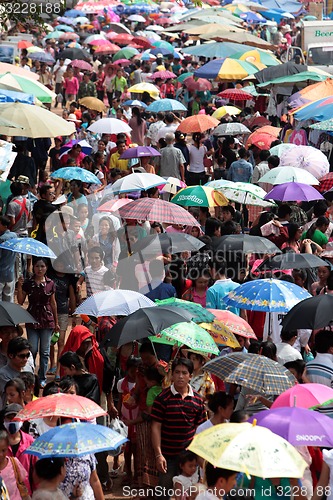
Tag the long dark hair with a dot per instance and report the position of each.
(137, 114)
(321, 221)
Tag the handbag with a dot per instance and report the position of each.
(23, 490)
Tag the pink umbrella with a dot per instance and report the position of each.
(69, 36)
(78, 63)
(305, 396)
(114, 205)
(200, 84)
(107, 49)
(307, 157)
(99, 42)
(163, 74)
(121, 62)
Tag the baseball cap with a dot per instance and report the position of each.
(23, 179)
(12, 409)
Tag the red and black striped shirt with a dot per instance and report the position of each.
(179, 418)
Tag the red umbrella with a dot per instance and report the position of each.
(114, 205)
(69, 36)
(200, 84)
(141, 40)
(235, 323)
(61, 405)
(107, 49)
(326, 183)
(120, 38)
(257, 121)
(268, 129)
(164, 20)
(121, 62)
(135, 45)
(154, 209)
(98, 42)
(84, 65)
(260, 139)
(197, 123)
(235, 95)
(163, 74)
(24, 44)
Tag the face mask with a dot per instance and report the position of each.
(13, 427)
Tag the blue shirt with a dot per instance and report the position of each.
(159, 292)
(240, 171)
(217, 292)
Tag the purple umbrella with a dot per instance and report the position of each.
(293, 191)
(299, 426)
(139, 152)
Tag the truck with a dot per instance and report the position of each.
(317, 43)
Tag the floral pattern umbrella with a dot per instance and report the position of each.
(247, 194)
(200, 314)
(221, 334)
(191, 335)
(307, 157)
(235, 323)
(29, 246)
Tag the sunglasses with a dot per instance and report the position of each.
(23, 356)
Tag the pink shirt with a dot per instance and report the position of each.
(198, 299)
(8, 475)
(26, 460)
(71, 86)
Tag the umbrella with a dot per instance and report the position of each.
(29, 246)
(24, 44)
(75, 54)
(191, 335)
(42, 57)
(198, 313)
(99, 42)
(85, 146)
(139, 152)
(234, 323)
(307, 157)
(282, 70)
(17, 70)
(281, 149)
(198, 84)
(69, 36)
(197, 123)
(166, 105)
(298, 426)
(173, 184)
(77, 173)
(226, 69)
(323, 125)
(292, 261)
(221, 334)
(231, 129)
(199, 196)
(304, 396)
(63, 27)
(120, 38)
(314, 75)
(22, 84)
(121, 62)
(125, 53)
(61, 405)
(81, 65)
(260, 139)
(163, 74)
(257, 56)
(257, 121)
(140, 88)
(235, 95)
(75, 440)
(245, 244)
(326, 183)
(111, 48)
(141, 40)
(216, 50)
(114, 205)
(267, 295)
(226, 110)
(143, 323)
(34, 120)
(158, 244)
(258, 373)
(12, 314)
(252, 17)
(246, 194)
(293, 191)
(135, 102)
(109, 126)
(93, 103)
(136, 182)
(312, 313)
(219, 184)
(74, 13)
(155, 209)
(281, 175)
(113, 303)
(136, 18)
(250, 449)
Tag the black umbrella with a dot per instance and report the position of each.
(313, 313)
(167, 243)
(245, 243)
(13, 314)
(75, 54)
(291, 261)
(285, 69)
(144, 323)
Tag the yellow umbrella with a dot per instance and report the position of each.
(93, 103)
(258, 57)
(140, 88)
(212, 28)
(221, 334)
(226, 110)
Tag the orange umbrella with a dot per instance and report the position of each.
(197, 123)
(318, 90)
(268, 129)
(24, 44)
(260, 139)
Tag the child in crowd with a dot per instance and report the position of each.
(94, 272)
(11, 468)
(15, 391)
(82, 213)
(198, 291)
(153, 380)
(184, 483)
(219, 482)
(31, 385)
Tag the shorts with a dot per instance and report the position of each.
(63, 322)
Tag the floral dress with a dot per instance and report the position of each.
(78, 472)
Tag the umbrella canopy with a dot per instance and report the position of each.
(198, 313)
(109, 126)
(139, 152)
(144, 323)
(81, 65)
(267, 295)
(76, 54)
(226, 110)
(281, 175)
(234, 323)
(166, 105)
(304, 396)
(137, 182)
(292, 261)
(12, 314)
(199, 196)
(245, 244)
(191, 335)
(323, 125)
(215, 50)
(163, 74)
(197, 123)
(135, 102)
(313, 75)
(198, 84)
(326, 183)
(42, 57)
(22, 84)
(260, 139)
(114, 205)
(17, 70)
(312, 313)
(125, 53)
(77, 173)
(227, 69)
(173, 185)
(28, 246)
(113, 303)
(235, 95)
(318, 110)
(158, 244)
(140, 88)
(231, 129)
(75, 440)
(156, 209)
(246, 193)
(258, 56)
(281, 149)
(93, 103)
(136, 18)
(219, 184)
(85, 146)
(298, 426)
(221, 334)
(282, 70)
(258, 373)
(61, 405)
(293, 191)
(250, 449)
(34, 120)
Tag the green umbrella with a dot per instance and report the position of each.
(199, 196)
(125, 53)
(182, 77)
(200, 314)
(266, 58)
(18, 83)
(191, 335)
(299, 77)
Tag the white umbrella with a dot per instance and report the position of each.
(280, 175)
(220, 184)
(231, 129)
(155, 28)
(173, 185)
(109, 126)
(34, 120)
(137, 182)
(114, 303)
(308, 158)
(136, 18)
(246, 194)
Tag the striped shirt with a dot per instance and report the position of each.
(94, 280)
(320, 371)
(179, 418)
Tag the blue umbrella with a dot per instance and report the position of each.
(252, 17)
(74, 13)
(267, 295)
(85, 146)
(77, 173)
(12, 96)
(319, 110)
(29, 246)
(42, 57)
(161, 50)
(209, 70)
(75, 440)
(135, 102)
(218, 49)
(166, 105)
(63, 27)
(54, 34)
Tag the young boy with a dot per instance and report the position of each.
(93, 274)
(219, 482)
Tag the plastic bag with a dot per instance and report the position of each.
(118, 426)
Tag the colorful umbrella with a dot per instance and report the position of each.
(75, 440)
(120, 38)
(164, 75)
(197, 123)
(155, 209)
(113, 303)
(111, 48)
(226, 110)
(199, 196)
(323, 125)
(199, 313)
(77, 173)
(198, 84)
(190, 335)
(136, 182)
(28, 246)
(257, 56)
(281, 175)
(234, 323)
(227, 69)
(121, 62)
(114, 205)
(166, 105)
(135, 102)
(183, 76)
(93, 103)
(250, 449)
(260, 139)
(216, 50)
(125, 53)
(221, 334)
(282, 149)
(61, 405)
(235, 95)
(312, 313)
(293, 191)
(268, 295)
(244, 244)
(246, 194)
(326, 182)
(85, 146)
(20, 83)
(109, 126)
(304, 396)
(12, 314)
(84, 65)
(139, 152)
(307, 157)
(231, 128)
